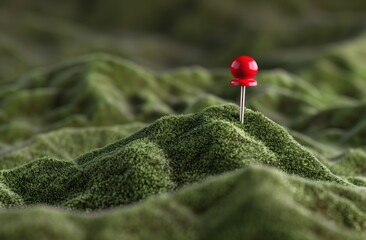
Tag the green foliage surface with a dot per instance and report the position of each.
(102, 137)
(172, 154)
(254, 202)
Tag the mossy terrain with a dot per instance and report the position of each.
(67, 143)
(176, 152)
(97, 90)
(107, 133)
(82, 164)
(172, 152)
(76, 158)
(255, 202)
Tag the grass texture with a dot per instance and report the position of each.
(98, 147)
(96, 90)
(178, 157)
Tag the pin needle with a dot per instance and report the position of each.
(243, 69)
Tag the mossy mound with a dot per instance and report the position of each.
(338, 69)
(65, 131)
(337, 124)
(286, 98)
(67, 143)
(104, 90)
(172, 152)
(95, 90)
(255, 202)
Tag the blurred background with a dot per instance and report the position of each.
(165, 34)
(99, 63)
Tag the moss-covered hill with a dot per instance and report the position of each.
(101, 89)
(254, 202)
(305, 198)
(98, 147)
(66, 143)
(97, 90)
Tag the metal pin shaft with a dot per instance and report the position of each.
(242, 104)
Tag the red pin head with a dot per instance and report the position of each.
(244, 69)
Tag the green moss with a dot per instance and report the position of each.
(188, 176)
(172, 152)
(67, 143)
(255, 202)
(185, 154)
(287, 98)
(352, 163)
(95, 90)
(336, 124)
(338, 69)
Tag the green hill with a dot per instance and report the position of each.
(66, 143)
(255, 202)
(172, 152)
(96, 90)
(185, 154)
(175, 170)
(102, 137)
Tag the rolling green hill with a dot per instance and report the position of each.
(117, 120)
(179, 153)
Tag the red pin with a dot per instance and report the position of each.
(244, 69)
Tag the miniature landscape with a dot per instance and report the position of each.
(137, 136)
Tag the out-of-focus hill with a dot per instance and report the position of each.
(98, 90)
